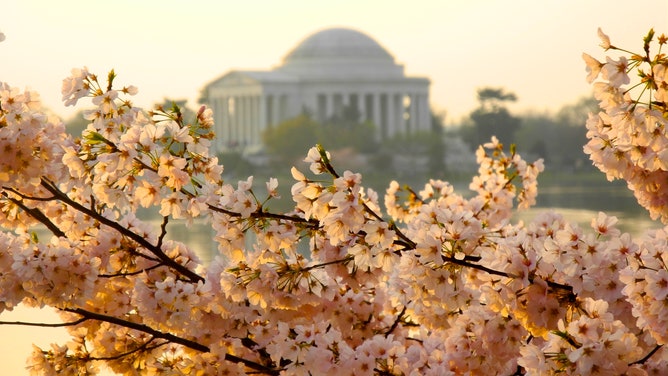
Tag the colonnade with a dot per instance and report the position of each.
(241, 119)
(391, 112)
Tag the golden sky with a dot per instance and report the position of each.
(173, 48)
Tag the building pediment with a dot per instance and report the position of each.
(235, 78)
(246, 78)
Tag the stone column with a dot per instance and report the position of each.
(376, 114)
(243, 124)
(252, 119)
(401, 109)
(248, 123)
(225, 126)
(236, 119)
(384, 114)
(270, 110)
(231, 103)
(241, 120)
(255, 136)
(425, 113)
(414, 119)
(250, 133)
(262, 115)
(276, 116)
(391, 114)
(394, 116)
(360, 106)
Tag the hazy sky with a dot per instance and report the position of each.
(173, 48)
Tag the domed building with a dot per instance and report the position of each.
(325, 73)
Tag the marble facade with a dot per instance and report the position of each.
(327, 71)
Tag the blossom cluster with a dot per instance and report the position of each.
(627, 138)
(424, 281)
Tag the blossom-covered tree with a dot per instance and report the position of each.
(428, 282)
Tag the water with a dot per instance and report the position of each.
(580, 200)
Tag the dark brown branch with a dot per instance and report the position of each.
(139, 327)
(163, 231)
(646, 357)
(316, 266)
(467, 264)
(190, 275)
(37, 215)
(259, 214)
(26, 197)
(411, 244)
(128, 274)
(169, 337)
(485, 269)
(397, 321)
(44, 325)
(142, 347)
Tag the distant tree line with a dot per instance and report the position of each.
(557, 138)
(345, 133)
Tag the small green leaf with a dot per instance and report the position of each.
(110, 79)
(648, 39)
(323, 153)
(95, 137)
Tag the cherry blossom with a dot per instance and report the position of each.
(414, 282)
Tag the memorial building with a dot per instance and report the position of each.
(323, 74)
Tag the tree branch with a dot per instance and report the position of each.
(467, 264)
(163, 231)
(190, 275)
(44, 325)
(37, 215)
(397, 321)
(646, 357)
(143, 346)
(259, 214)
(87, 315)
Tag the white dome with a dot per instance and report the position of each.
(338, 43)
(338, 52)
